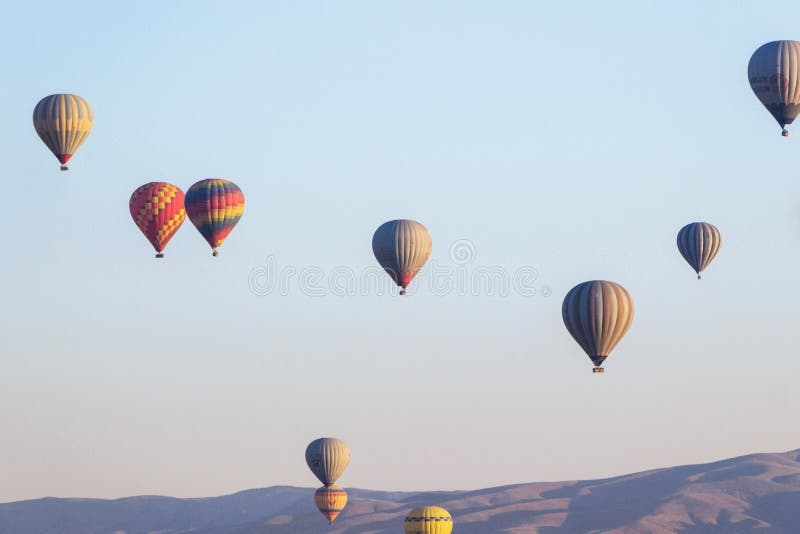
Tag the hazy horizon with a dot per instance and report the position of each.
(565, 143)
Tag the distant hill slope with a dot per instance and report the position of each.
(760, 492)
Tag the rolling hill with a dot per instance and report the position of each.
(759, 492)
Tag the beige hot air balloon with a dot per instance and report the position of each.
(428, 520)
(63, 123)
(597, 314)
(327, 458)
(330, 501)
(402, 247)
(699, 243)
(774, 74)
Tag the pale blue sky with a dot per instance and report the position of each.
(574, 138)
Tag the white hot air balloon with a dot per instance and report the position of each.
(402, 247)
(774, 74)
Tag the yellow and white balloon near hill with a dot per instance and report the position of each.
(774, 74)
(63, 122)
(330, 501)
(402, 247)
(428, 520)
(327, 458)
(597, 314)
(699, 244)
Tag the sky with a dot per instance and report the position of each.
(547, 144)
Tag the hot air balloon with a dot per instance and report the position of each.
(699, 243)
(428, 520)
(597, 314)
(214, 206)
(157, 209)
(327, 458)
(330, 500)
(774, 73)
(63, 122)
(402, 247)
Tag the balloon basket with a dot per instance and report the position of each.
(598, 370)
(64, 168)
(215, 253)
(159, 255)
(785, 132)
(402, 291)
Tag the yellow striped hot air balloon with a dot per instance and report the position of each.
(699, 243)
(330, 501)
(774, 74)
(428, 520)
(402, 247)
(327, 458)
(63, 122)
(597, 314)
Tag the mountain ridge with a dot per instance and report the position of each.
(757, 491)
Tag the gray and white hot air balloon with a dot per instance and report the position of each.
(597, 314)
(774, 74)
(402, 247)
(698, 243)
(327, 458)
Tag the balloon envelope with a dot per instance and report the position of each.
(597, 314)
(214, 206)
(774, 74)
(327, 458)
(402, 247)
(330, 501)
(428, 520)
(63, 123)
(157, 209)
(699, 243)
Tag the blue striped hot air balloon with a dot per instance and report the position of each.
(699, 243)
